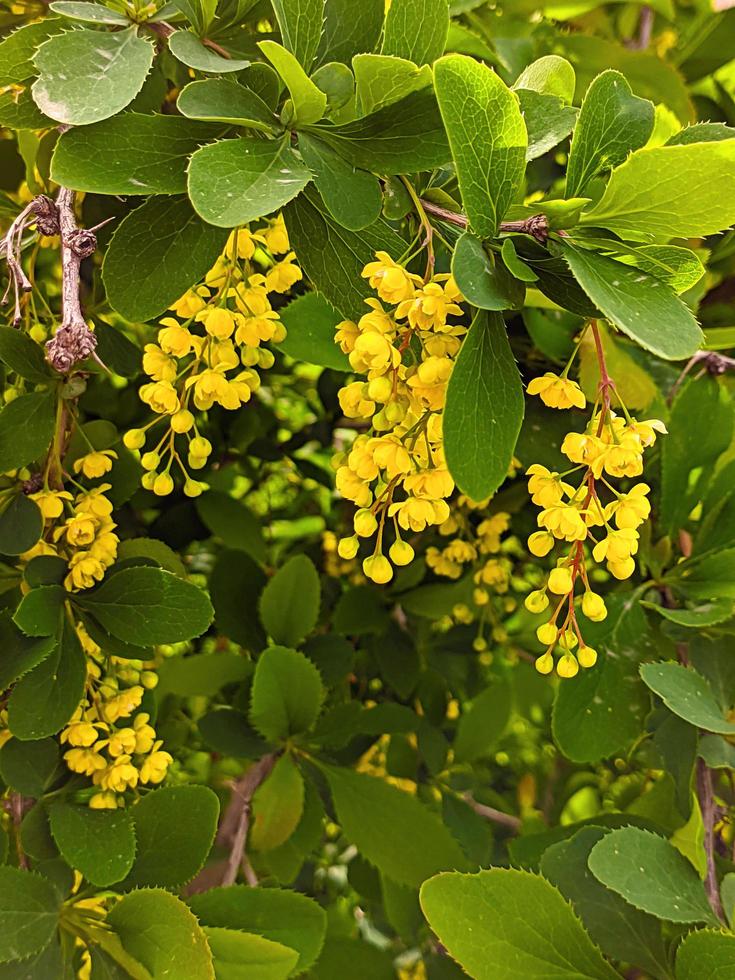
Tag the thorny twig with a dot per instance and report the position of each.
(537, 226)
(236, 821)
(42, 212)
(712, 363)
(490, 813)
(709, 815)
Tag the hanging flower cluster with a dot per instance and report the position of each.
(595, 520)
(207, 354)
(79, 528)
(107, 737)
(396, 471)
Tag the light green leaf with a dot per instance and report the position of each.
(311, 323)
(488, 138)
(301, 23)
(612, 122)
(19, 111)
(98, 843)
(483, 921)
(679, 267)
(17, 50)
(709, 614)
(236, 181)
(382, 79)
(665, 192)
(643, 307)
(286, 695)
(242, 955)
(550, 75)
(482, 724)
(221, 100)
(91, 13)
(132, 154)
(402, 838)
(233, 523)
(289, 605)
(352, 196)
(195, 54)
(651, 875)
(156, 253)
(86, 76)
(309, 102)
(26, 429)
(162, 934)
(706, 953)
(701, 133)
(399, 138)
(416, 30)
(278, 804)
(174, 830)
(688, 694)
(621, 931)
(285, 917)
(484, 408)
(548, 121)
(29, 913)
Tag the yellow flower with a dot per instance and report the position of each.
(623, 459)
(390, 455)
(252, 297)
(416, 513)
(84, 571)
(373, 351)
(105, 800)
(161, 396)
(51, 502)
(346, 335)
(85, 761)
(95, 464)
(145, 734)
(252, 330)
(158, 365)
(378, 319)
(94, 502)
(218, 322)
(580, 447)
(190, 303)
(546, 488)
(283, 275)
(242, 243)
(557, 392)
(633, 508)
(121, 742)
(540, 543)
(118, 776)
(80, 734)
(433, 483)
(593, 606)
(123, 704)
(391, 281)
(155, 765)
(428, 308)
(175, 339)
(275, 236)
(80, 530)
(564, 521)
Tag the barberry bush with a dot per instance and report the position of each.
(367, 494)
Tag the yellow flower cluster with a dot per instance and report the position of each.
(107, 738)
(78, 529)
(207, 354)
(597, 521)
(476, 546)
(396, 471)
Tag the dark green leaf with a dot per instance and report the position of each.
(286, 695)
(21, 525)
(26, 429)
(23, 355)
(29, 767)
(352, 196)
(29, 913)
(203, 674)
(289, 604)
(39, 611)
(483, 722)
(20, 653)
(548, 121)
(98, 843)
(235, 584)
(228, 731)
(233, 523)
(482, 277)
(311, 323)
(278, 804)
(18, 49)
(117, 352)
(350, 28)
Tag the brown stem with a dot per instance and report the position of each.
(16, 806)
(537, 225)
(236, 821)
(709, 815)
(490, 813)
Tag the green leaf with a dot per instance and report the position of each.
(98, 843)
(39, 610)
(154, 549)
(717, 752)
(612, 122)
(311, 323)
(289, 604)
(45, 698)
(416, 30)
(488, 138)
(17, 50)
(548, 121)
(132, 154)
(240, 955)
(20, 653)
(286, 695)
(156, 253)
(29, 767)
(278, 804)
(19, 111)
(621, 931)
(402, 837)
(232, 522)
(26, 429)
(482, 278)
(333, 257)
(174, 830)
(350, 28)
(162, 934)
(23, 355)
(643, 307)
(550, 75)
(91, 13)
(309, 102)
(483, 921)
(399, 138)
(235, 584)
(71, 65)
(29, 913)
(195, 54)
(203, 674)
(285, 917)
(228, 731)
(236, 181)
(220, 100)
(651, 875)
(688, 695)
(701, 133)
(354, 958)
(146, 606)
(21, 525)
(381, 80)
(352, 196)
(665, 192)
(117, 351)
(301, 23)
(706, 953)
(678, 267)
(710, 577)
(484, 408)
(482, 724)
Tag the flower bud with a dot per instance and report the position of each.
(593, 607)
(193, 488)
(567, 666)
(148, 479)
(163, 485)
(587, 656)
(544, 664)
(149, 461)
(479, 644)
(380, 389)
(378, 569)
(196, 462)
(134, 439)
(182, 420)
(199, 446)
(401, 553)
(561, 581)
(149, 679)
(547, 634)
(540, 543)
(536, 601)
(364, 523)
(347, 547)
